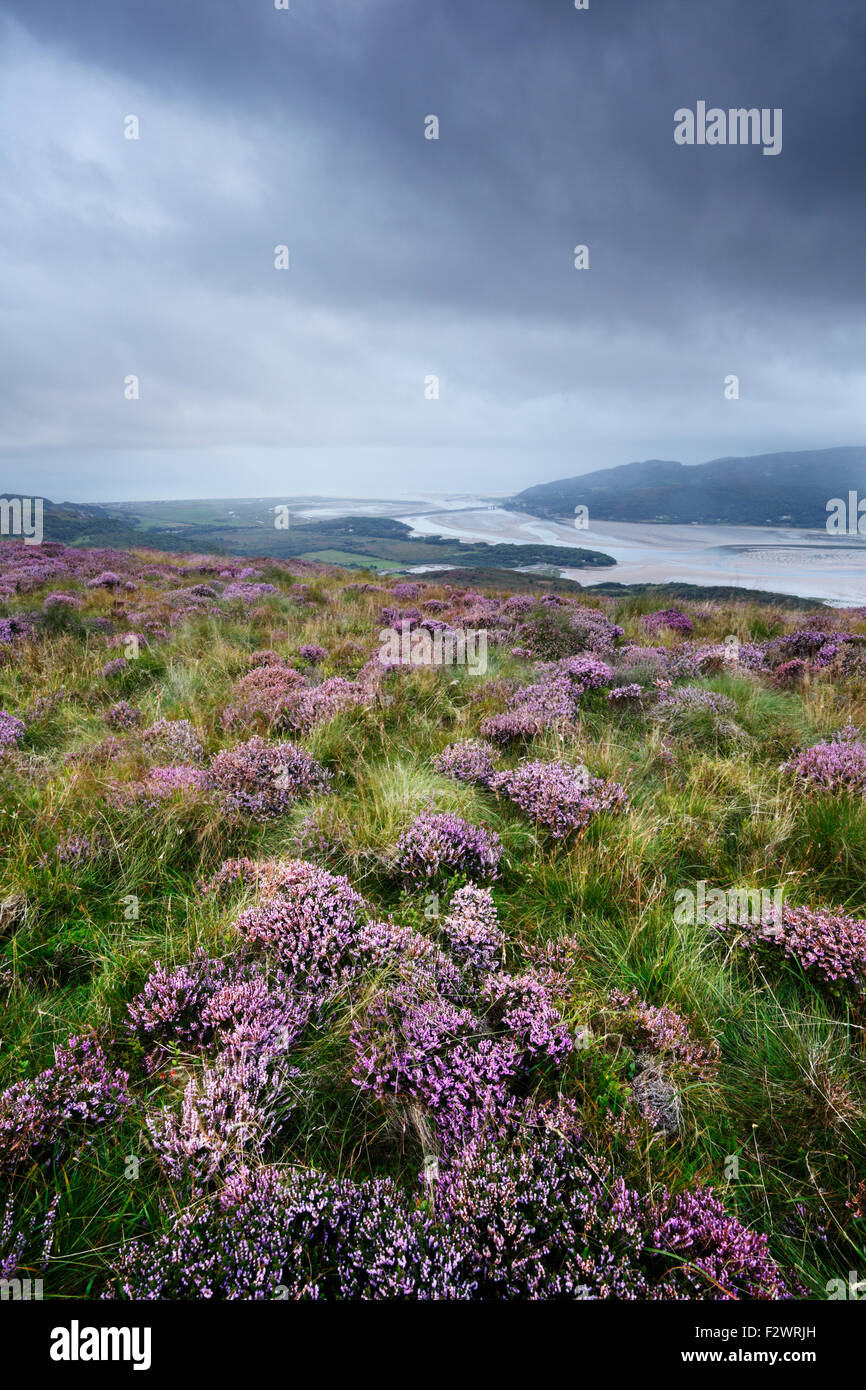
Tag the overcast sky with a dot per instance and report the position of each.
(412, 257)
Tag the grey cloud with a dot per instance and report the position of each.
(412, 257)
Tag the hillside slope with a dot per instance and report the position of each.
(786, 489)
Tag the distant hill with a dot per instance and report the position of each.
(790, 489)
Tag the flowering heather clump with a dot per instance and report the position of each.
(471, 760)
(265, 657)
(41, 706)
(514, 725)
(41, 1119)
(263, 780)
(74, 850)
(304, 1233)
(407, 591)
(248, 593)
(312, 652)
(162, 782)
(827, 945)
(438, 844)
(114, 667)
(562, 629)
(553, 963)
(174, 738)
(308, 927)
(625, 695)
(518, 606)
(231, 871)
(720, 1257)
(226, 1117)
(158, 784)
(253, 1016)
(558, 797)
(123, 715)
(14, 628)
(472, 929)
(170, 1010)
(811, 644)
(552, 700)
(583, 673)
(834, 765)
(427, 1049)
(671, 619)
(664, 1031)
(634, 655)
(322, 702)
(417, 959)
(106, 580)
(523, 1006)
(60, 601)
(541, 1219)
(676, 707)
(790, 674)
(597, 633)
(265, 695)
(12, 730)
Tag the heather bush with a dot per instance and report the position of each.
(175, 739)
(25, 1239)
(306, 1236)
(40, 1120)
(558, 797)
(12, 730)
(263, 696)
(472, 929)
(307, 927)
(227, 1116)
(543, 1219)
(471, 760)
(827, 945)
(262, 780)
(668, 619)
(662, 1030)
(834, 765)
(438, 845)
(170, 1010)
(412, 1046)
(123, 716)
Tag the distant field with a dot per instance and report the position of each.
(349, 560)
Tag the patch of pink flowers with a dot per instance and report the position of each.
(558, 797)
(442, 844)
(834, 765)
(263, 780)
(828, 945)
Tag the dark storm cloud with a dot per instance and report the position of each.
(412, 257)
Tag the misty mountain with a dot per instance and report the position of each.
(788, 489)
